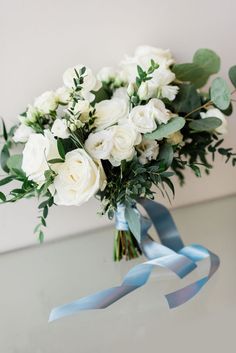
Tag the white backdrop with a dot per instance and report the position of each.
(40, 39)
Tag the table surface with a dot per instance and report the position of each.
(36, 279)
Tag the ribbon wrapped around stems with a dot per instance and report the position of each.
(170, 254)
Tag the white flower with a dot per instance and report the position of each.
(82, 107)
(110, 111)
(142, 119)
(125, 137)
(31, 115)
(160, 84)
(78, 179)
(142, 57)
(159, 111)
(60, 129)
(90, 81)
(38, 150)
(143, 91)
(175, 138)
(63, 95)
(216, 113)
(99, 144)
(107, 74)
(148, 150)
(22, 133)
(46, 103)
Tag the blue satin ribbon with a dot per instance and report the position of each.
(170, 254)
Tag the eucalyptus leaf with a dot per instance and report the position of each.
(232, 75)
(220, 93)
(165, 130)
(208, 60)
(188, 72)
(187, 100)
(166, 154)
(207, 124)
(133, 218)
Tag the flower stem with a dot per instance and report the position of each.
(125, 246)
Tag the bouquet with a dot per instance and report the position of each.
(119, 135)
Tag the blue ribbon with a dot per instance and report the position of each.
(170, 254)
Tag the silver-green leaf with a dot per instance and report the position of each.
(220, 93)
(133, 218)
(165, 130)
(207, 124)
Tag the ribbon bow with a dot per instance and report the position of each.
(170, 254)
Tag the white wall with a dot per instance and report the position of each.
(40, 39)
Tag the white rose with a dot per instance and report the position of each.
(78, 179)
(22, 133)
(90, 82)
(142, 119)
(63, 95)
(159, 111)
(110, 111)
(60, 129)
(148, 150)
(216, 113)
(99, 144)
(175, 138)
(107, 74)
(38, 150)
(125, 137)
(46, 103)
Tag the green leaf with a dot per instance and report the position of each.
(166, 154)
(187, 99)
(133, 218)
(232, 75)
(41, 237)
(207, 124)
(220, 93)
(196, 170)
(56, 160)
(15, 162)
(5, 135)
(208, 60)
(188, 72)
(165, 130)
(6, 180)
(4, 158)
(61, 149)
(2, 196)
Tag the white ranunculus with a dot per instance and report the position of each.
(60, 128)
(142, 57)
(107, 74)
(46, 103)
(142, 119)
(125, 137)
(38, 150)
(175, 138)
(148, 151)
(99, 144)
(91, 83)
(63, 95)
(22, 133)
(78, 179)
(110, 112)
(216, 113)
(159, 111)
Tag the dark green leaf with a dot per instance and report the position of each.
(5, 135)
(133, 218)
(207, 124)
(61, 149)
(164, 130)
(195, 169)
(2, 196)
(6, 180)
(56, 160)
(187, 99)
(166, 154)
(232, 75)
(220, 93)
(45, 212)
(4, 158)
